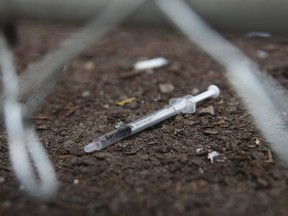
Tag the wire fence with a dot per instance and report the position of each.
(264, 98)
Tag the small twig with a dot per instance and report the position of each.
(270, 157)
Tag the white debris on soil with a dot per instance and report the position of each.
(199, 150)
(85, 94)
(119, 125)
(166, 87)
(262, 54)
(106, 106)
(2, 179)
(207, 110)
(76, 181)
(150, 64)
(89, 65)
(201, 170)
(212, 156)
(195, 91)
(258, 34)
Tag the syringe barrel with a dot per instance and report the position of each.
(108, 139)
(114, 136)
(157, 117)
(134, 127)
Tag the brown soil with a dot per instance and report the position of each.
(163, 170)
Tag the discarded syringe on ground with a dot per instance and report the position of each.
(186, 104)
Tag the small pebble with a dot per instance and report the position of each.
(166, 87)
(183, 158)
(195, 91)
(270, 47)
(119, 125)
(189, 142)
(6, 204)
(190, 122)
(262, 182)
(175, 67)
(89, 65)
(201, 170)
(76, 181)
(132, 152)
(85, 94)
(200, 151)
(106, 106)
(2, 180)
(262, 54)
(144, 157)
(207, 110)
(100, 155)
(179, 118)
(210, 132)
(202, 184)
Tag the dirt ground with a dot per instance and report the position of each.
(163, 170)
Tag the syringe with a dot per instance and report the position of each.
(186, 104)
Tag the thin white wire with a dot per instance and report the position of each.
(40, 77)
(25, 148)
(263, 96)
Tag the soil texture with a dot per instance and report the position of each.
(164, 170)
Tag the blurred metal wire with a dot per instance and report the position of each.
(263, 96)
(28, 157)
(25, 148)
(39, 79)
